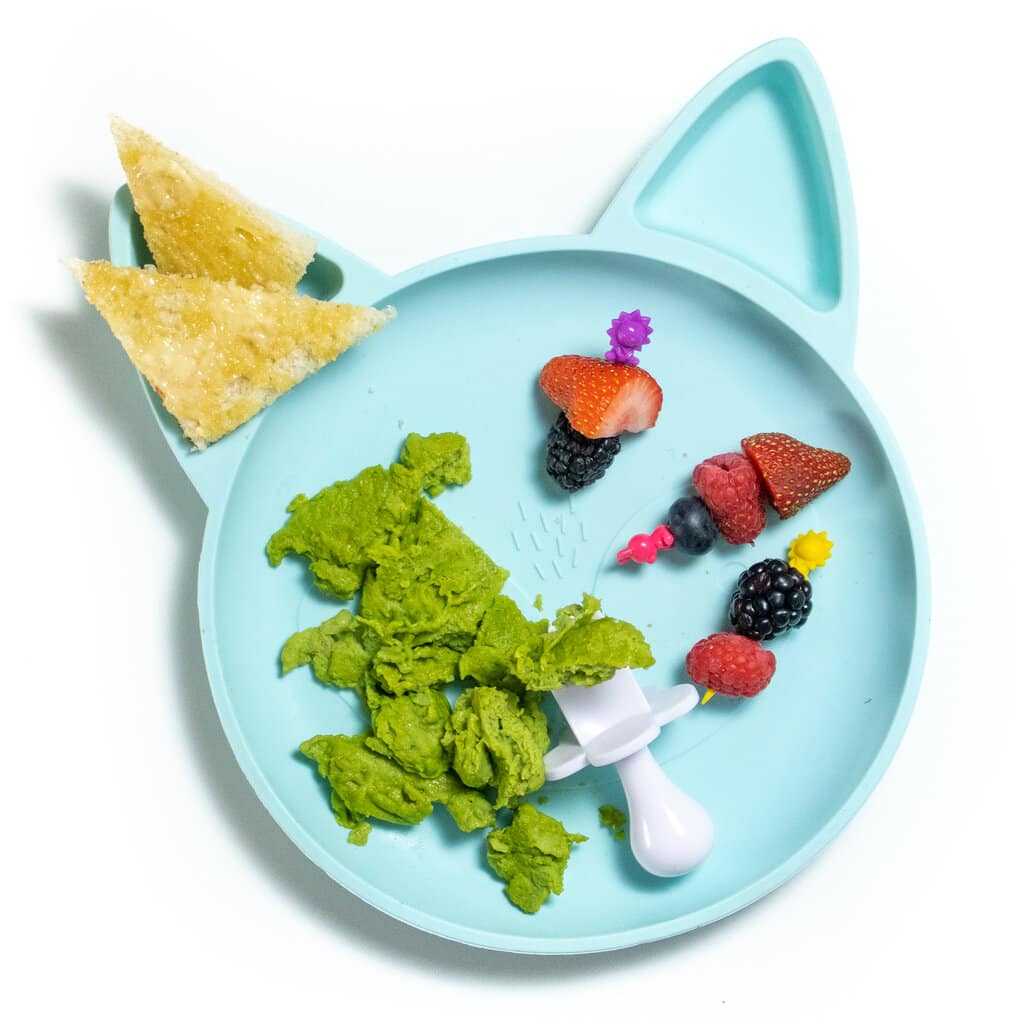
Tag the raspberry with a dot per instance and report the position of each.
(731, 664)
(730, 486)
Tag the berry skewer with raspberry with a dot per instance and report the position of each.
(771, 597)
(731, 492)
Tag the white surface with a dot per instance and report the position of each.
(141, 874)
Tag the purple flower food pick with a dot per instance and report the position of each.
(629, 333)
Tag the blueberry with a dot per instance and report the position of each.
(690, 523)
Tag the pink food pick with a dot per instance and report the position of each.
(644, 547)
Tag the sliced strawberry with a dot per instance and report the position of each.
(794, 473)
(601, 398)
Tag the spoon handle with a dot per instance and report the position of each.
(669, 831)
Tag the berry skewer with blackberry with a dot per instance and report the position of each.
(771, 597)
(731, 492)
(600, 399)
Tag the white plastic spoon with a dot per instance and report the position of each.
(612, 723)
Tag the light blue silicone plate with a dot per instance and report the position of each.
(735, 233)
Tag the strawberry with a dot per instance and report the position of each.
(601, 398)
(794, 473)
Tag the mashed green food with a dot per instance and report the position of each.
(410, 729)
(430, 613)
(531, 854)
(365, 784)
(333, 648)
(578, 649)
(336, 528)
(498, 739)
(423, 601)
(613, 819)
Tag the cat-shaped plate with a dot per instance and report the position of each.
(735, 233)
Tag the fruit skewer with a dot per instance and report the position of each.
(731, 493)
(600, 399)
(771, 597)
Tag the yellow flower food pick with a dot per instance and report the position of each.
(810, 551)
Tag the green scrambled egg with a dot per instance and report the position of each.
(531, 854)
(430, 613)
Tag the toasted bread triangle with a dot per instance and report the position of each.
(215, 352)
(196, 224)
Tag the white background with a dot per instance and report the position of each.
(141, 875)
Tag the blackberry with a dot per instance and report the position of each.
(575, 461)
(770, 597)
(690, 523)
